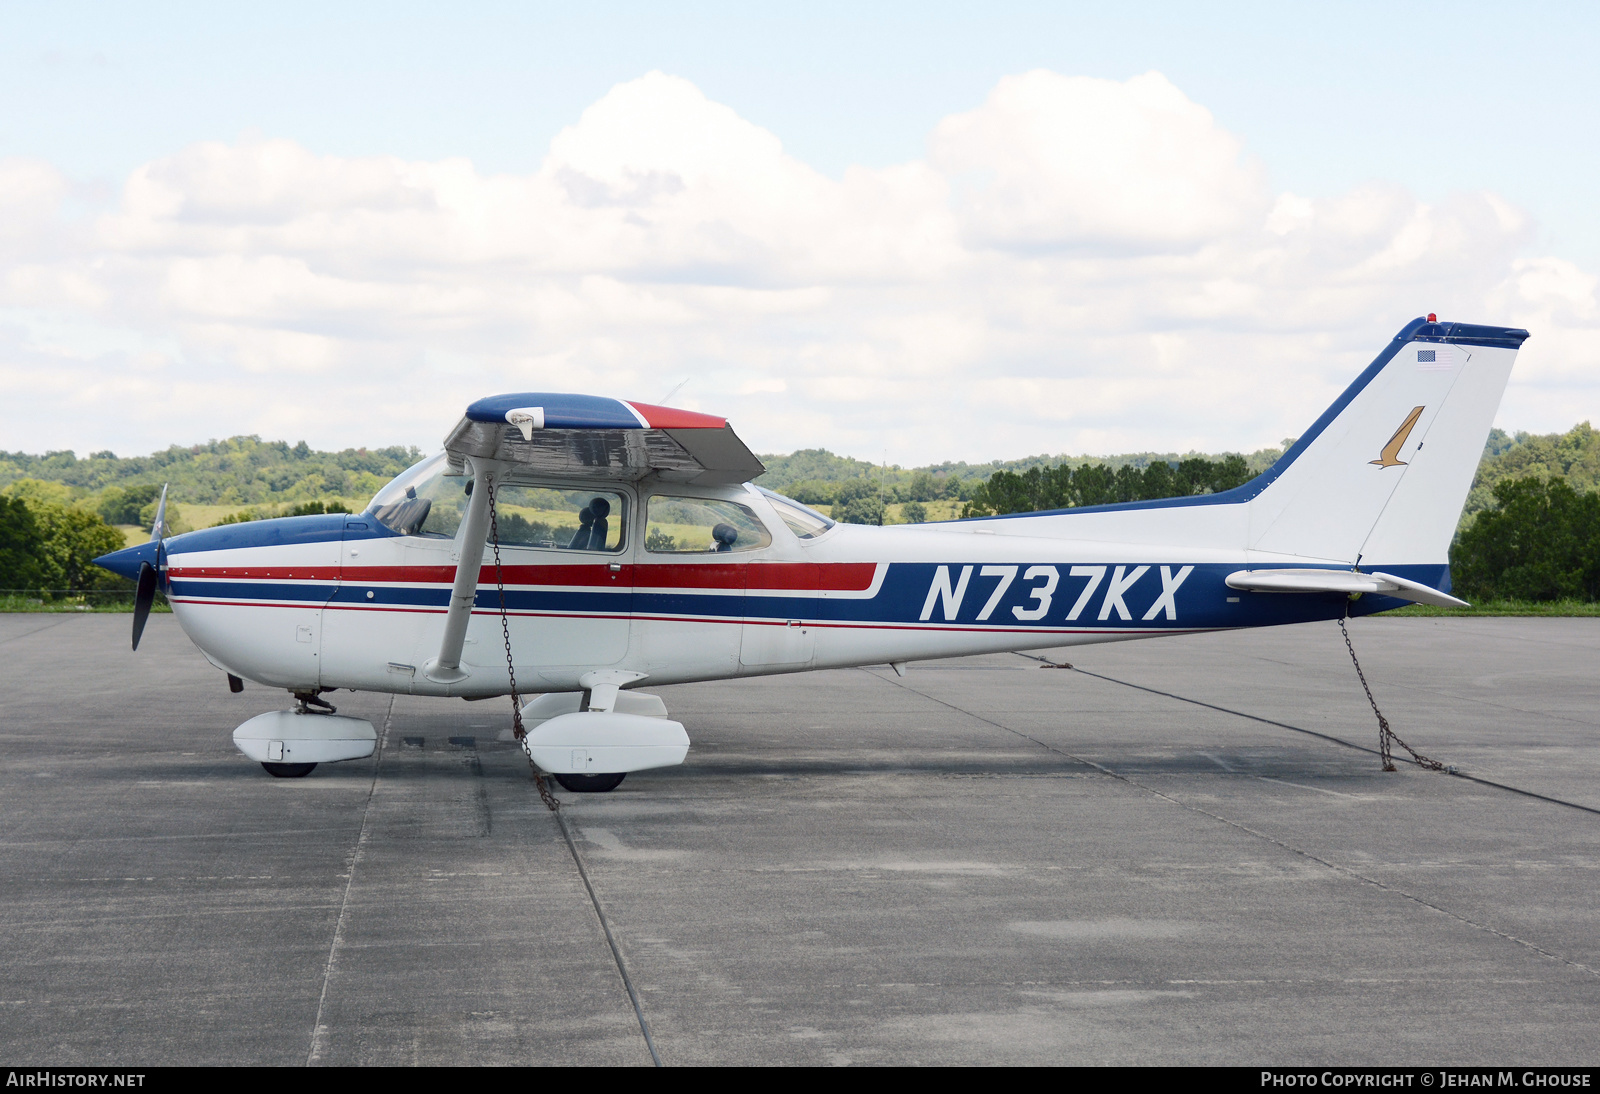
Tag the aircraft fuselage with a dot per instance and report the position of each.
(342, 602)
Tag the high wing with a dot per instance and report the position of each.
(588, 436)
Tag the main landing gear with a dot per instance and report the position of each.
(588, 741)
(591, 784)
(289, 771)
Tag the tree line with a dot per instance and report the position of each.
(1066, 487)
(1541, 541)
(1530, 530)
(49, 549)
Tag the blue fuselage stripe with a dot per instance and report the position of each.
(916, 594)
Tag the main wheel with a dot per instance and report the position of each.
(592, 784)
(288, 771)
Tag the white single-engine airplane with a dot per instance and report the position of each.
(588, 545)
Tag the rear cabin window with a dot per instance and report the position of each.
(680, 525)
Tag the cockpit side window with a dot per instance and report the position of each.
(556, 518)
(687, 525)
(427, 500)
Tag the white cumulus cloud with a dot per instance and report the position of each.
(1076, 265)
(1060, 162)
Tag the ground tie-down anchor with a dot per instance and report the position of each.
(1385, 734)
(518, 730)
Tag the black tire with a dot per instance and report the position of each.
(289, 771)
(592, 784)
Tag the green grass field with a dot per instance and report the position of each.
(895, 514)
(192, 517)
(1507, 607)
(118, 601)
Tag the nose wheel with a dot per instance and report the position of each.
(591, 784)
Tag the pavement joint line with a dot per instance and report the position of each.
(473, 763)
(36, 630)
(1452, 771)
(1344, 871)
(1317, 789)
(611, 940)
(318, 1030)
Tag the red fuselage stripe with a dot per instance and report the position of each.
(799, 577)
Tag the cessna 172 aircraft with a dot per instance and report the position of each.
(589, 545)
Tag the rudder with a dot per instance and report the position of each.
(1381, 477)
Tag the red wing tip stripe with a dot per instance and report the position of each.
(666, 417)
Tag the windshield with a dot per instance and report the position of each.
(425, 500)
(803, 522)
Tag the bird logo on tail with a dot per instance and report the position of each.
(1389, 457)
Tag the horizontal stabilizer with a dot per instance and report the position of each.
(1341, 581)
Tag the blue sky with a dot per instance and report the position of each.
(1323, 101)
(1438, 97)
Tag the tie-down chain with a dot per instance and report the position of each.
(518, 730)
(1385, 734)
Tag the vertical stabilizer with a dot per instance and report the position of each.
(1381, 477)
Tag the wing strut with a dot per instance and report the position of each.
(446, 668)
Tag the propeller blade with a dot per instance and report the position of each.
(158, 530)
(142, 599)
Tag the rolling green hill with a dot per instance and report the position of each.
(206, 481)
(220, 479)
